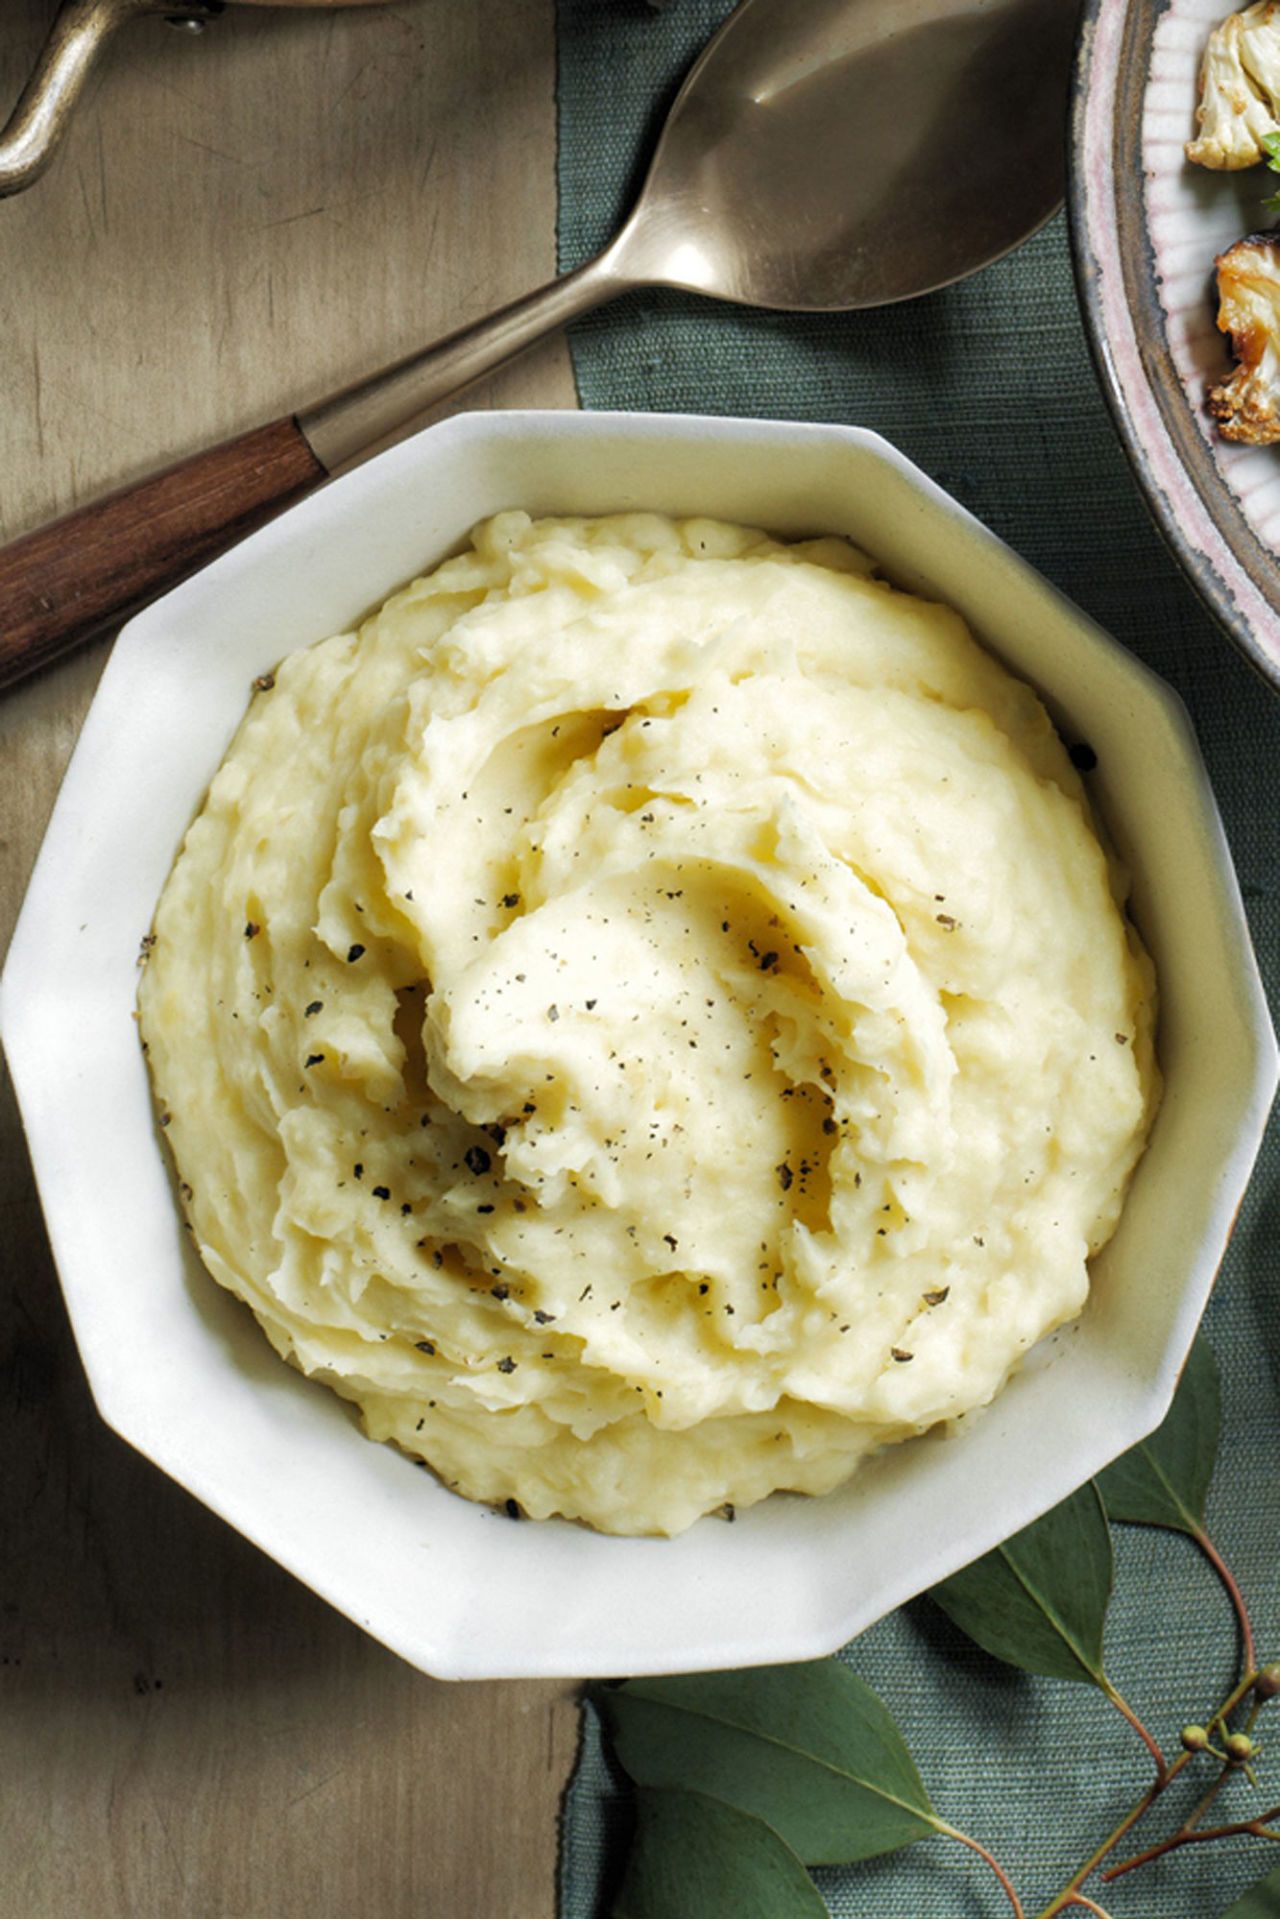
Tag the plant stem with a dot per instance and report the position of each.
(1234, 1697)
(1122, 1706)
(1248, 1656)
(953, 1832)
(1204, 1802)
(1090, 1905)
(1070, 1892)
(1207, 1798)
(1257, 1827)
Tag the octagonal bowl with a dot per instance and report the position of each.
(180, 1369)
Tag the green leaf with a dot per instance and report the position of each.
(1040, 1600)
(1260, 1902)
(1164, 1480)
(1270, 144)
(694, 1855)
(809, 1748)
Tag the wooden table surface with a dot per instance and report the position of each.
(237, 224)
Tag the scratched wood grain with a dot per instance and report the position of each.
(236, 225)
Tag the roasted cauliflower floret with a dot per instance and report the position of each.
(1239, 89)
(1247, 406)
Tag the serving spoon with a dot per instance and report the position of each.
(822, 154)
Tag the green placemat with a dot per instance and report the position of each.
(990, 389)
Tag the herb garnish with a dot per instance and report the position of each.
(1270, 144)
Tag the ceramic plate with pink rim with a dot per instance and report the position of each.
(1146, 227)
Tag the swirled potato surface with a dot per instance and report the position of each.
(648, 1018)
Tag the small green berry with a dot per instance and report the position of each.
(1267, 1684)
(1238, 1747)
(1194, 1738)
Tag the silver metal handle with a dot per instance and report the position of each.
(42, 114)
(358, 419)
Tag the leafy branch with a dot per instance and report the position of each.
(744, 1780)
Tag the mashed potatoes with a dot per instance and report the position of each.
(648, 1019)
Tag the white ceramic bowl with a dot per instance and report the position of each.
(181, 1370)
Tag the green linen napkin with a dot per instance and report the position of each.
(989, 387)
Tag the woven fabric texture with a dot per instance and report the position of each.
(989, 387)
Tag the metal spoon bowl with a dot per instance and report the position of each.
(835, 154)
(850, 153)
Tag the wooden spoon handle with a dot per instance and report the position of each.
(64, 582)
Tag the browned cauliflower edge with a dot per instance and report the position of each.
(1247, 406)
(1239, 89)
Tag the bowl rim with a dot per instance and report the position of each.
(446, 1656)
